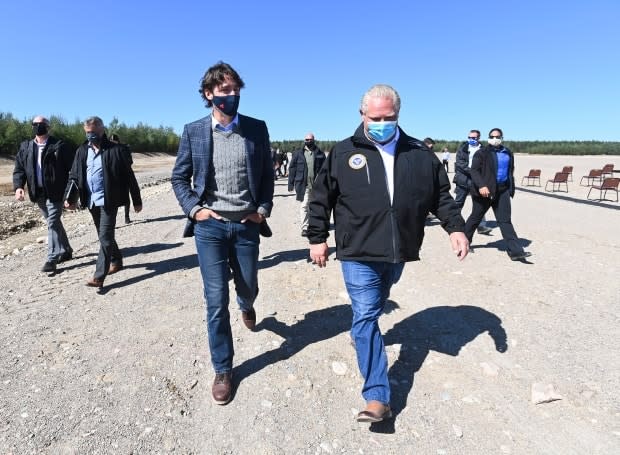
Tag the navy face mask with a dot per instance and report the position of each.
(93, 138)
(227, 105)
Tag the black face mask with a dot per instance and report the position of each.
(40, 129)
(309, 144)
(93, 138)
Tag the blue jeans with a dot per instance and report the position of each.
(57, 241)
(368, 285)
(226, 247)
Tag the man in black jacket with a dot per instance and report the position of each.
(102, 178)
(462, 174)
(44, 163)
(381, 184)
(493, 185)
(302, 170)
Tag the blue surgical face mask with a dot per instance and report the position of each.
(472, 142)
(226, 104)
(382, 132)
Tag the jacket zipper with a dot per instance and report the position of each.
(394, 260)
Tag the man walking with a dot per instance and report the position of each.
(102, 179)
(302, 170)
(223, 179)
(462, 174)
(44, 164)
(381, 184)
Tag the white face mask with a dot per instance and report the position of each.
(494, 142)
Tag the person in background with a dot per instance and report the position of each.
(275, 157)
(102, 179)
(493, 185)
(462, 174)
(430, 143)
(284, 163)
(116, 139)
(380, 185)
(224, 181)
(303, 168)
(43, 163)
(445, 158)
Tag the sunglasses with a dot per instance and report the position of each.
(474, 138)
(495, 137)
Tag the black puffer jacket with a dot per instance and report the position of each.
(56, 163)
(352, 183)
(118, 177)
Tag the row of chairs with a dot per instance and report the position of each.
(566, 175)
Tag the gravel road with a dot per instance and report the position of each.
(473, 345)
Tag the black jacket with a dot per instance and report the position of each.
(56, 163)
(462, 172)
(298, 171)
(484, 170)
(118, 177)
(352, 183)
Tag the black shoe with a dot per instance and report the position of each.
(484, 230)
(127, 221)
(49, 266)
(519, 256)
(66, 256)
(304, 233)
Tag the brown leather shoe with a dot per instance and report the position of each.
(94, 283)
(249, 318)
(375, 412)
(115, 268)
(222, 388)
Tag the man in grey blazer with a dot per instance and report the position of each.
(223, 179)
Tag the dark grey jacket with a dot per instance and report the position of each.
(298, 171)
(119, 180)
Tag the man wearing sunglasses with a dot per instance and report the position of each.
(492, 174)
(44, 164)
(462, 174)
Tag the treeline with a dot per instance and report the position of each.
(142, 138)
(547, 147)
(146, 139)
(531, 147)
(292, 145)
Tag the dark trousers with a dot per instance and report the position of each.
(460, 194)
(105, 222)
(501, 207)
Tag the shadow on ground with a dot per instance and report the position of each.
(442, 329)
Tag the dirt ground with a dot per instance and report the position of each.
(470, 344)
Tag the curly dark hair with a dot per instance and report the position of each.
(215, 76)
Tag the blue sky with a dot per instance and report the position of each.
(540, 70)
